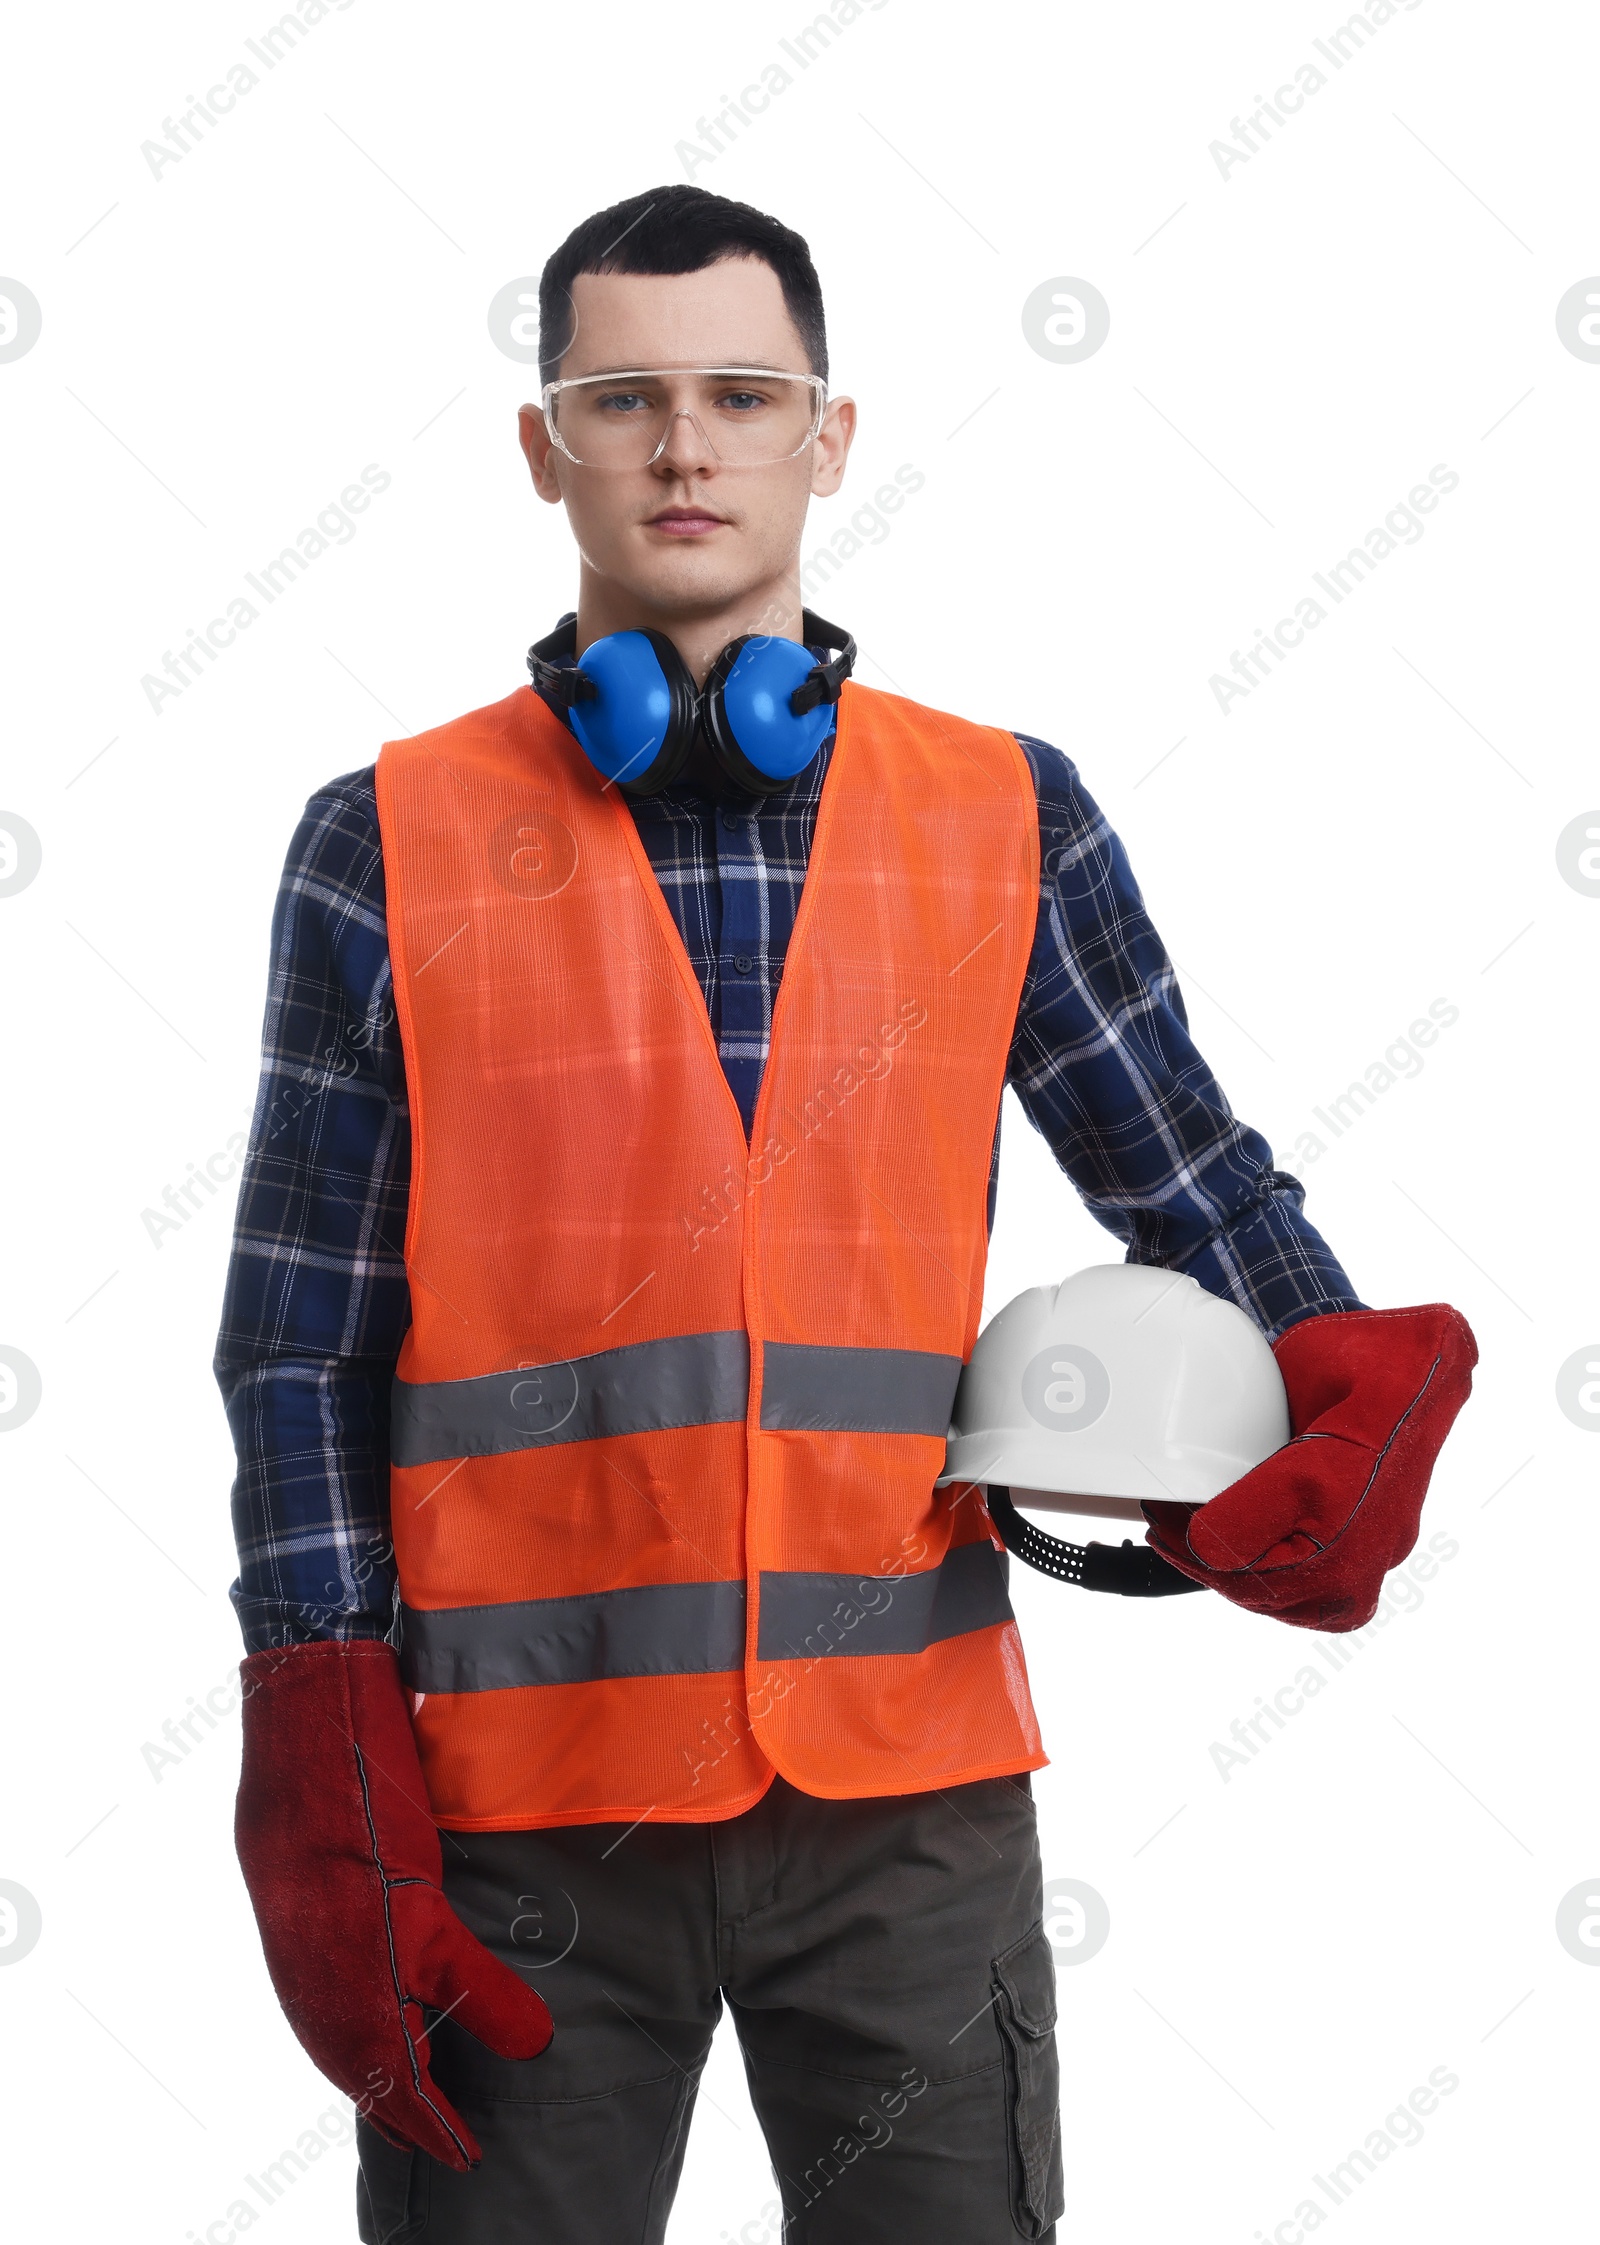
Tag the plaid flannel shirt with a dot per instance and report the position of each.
(317, 1302)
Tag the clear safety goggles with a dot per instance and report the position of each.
(746, 416)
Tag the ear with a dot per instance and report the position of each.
(540, 453)
(832, 447)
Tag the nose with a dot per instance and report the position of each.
(684, 445)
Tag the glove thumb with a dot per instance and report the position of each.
(458, 1975)
(1257, 1520)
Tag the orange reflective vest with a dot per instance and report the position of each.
(667, 1421)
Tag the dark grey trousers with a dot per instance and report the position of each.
(895, 2000)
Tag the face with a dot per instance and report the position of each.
(688, 537)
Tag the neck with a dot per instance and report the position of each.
(698, 633)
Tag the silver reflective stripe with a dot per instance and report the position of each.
(698, 1628)
(806, 1616)
(663, 1629)
(860, 1391)
(690, 1380)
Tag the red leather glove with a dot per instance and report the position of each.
(1309, 1534)
(341, 1857)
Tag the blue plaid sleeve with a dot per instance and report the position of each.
(1107, 1072)
(316, 1302)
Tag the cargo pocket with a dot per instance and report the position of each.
(391, 2190)
(1025, 1990)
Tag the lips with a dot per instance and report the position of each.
(686, 522)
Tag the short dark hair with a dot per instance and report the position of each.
(678, 229)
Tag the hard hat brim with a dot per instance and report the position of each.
(1192, 1479)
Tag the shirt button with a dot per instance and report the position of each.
(730, 822)
(744, 964)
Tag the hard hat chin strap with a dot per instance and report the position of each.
(1131, 1570)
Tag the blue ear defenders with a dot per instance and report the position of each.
(765, 709)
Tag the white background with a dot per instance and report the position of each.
(224, 348)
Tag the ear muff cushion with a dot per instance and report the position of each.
(754, 731)
(637, 726)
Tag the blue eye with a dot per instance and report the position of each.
(742, 399)
(623, 401)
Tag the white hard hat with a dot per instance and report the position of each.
(1122, 1382)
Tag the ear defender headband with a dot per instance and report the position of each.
(765, 707)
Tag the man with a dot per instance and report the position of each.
(611, 1236)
